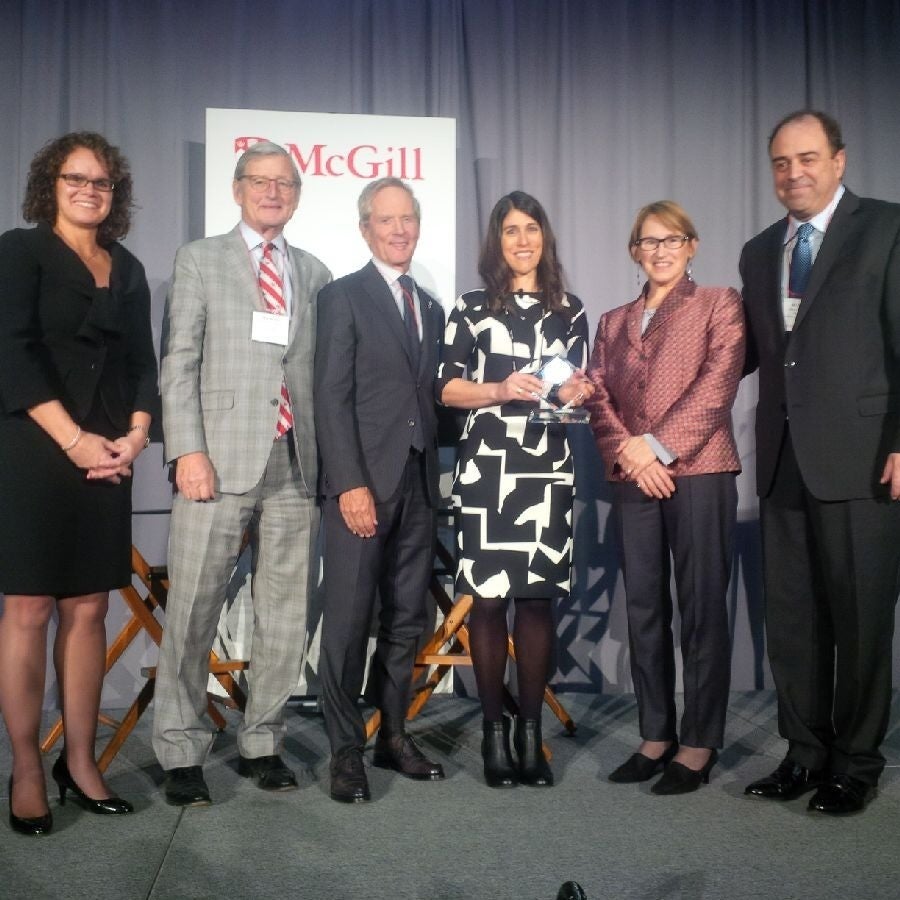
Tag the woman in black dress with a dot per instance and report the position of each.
(514, 479)
(77, 388)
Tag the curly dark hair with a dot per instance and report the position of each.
(493, 269)
(39, 204)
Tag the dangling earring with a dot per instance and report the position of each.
(637, 273)
(690, 269)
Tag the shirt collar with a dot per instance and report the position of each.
(819, 221)
(253, 239)
(388, 273)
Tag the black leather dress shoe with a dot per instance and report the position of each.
(787, 782)
(269, 772)
(400, 753)
(348, 778)
(639, 768)
(841, 795)
(185, 786)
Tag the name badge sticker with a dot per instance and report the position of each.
(270, 328)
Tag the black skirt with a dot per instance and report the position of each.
(60, 534)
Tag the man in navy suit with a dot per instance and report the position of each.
(822, 300)
(377, 347)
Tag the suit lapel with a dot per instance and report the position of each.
(429, 327)
(634, 319)
(239, 266)
(835, 237)
(677, 297)
(385, 307)
(301, 297)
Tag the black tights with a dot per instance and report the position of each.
(533, 634)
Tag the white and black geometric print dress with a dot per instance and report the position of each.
(514, 481)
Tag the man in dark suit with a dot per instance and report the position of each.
(822, 299)
(377, 350)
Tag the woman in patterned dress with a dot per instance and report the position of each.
(514, 479)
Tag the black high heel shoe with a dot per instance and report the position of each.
(107, 806)
(37, 825)
(679, 779)
(642, 768)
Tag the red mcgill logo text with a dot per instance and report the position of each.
(367, 161)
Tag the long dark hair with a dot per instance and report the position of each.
(493, 269)
(40, 192)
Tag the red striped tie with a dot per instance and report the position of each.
(272, 290)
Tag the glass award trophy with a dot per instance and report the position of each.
(554, 373)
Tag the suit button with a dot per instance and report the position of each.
(411, 423)
(790, 364)
(274, 402)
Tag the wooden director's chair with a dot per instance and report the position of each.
(449, 647)
(155, 583)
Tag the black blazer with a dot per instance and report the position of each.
(837, 375)
(62, 338)
(366, 395)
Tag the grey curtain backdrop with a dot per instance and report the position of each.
(594, 106)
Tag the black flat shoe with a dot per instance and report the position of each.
(106, 806)
(842, 795)
(499, 771)
(36, 825)
(642, 768)
(679, 779)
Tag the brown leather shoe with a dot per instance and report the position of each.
(400, 753)
(787, 782)
(348, 778)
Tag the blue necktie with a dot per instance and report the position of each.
(801, 261)
(409, 316)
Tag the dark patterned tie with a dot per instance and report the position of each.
(409, 317)
(801, 261)
(272, 289)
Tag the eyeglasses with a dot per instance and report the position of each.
(259, 183)
(670, 242)
(73, 179)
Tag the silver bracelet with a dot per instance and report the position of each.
(146, 433)
(73, 442)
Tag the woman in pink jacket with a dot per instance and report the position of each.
(666, 369)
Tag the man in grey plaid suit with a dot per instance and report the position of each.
(237, 369)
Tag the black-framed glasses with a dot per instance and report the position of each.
(259, 183)
(670, 242)
(73, 179)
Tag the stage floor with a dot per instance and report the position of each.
(458, 839)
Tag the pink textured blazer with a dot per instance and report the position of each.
(677, 381)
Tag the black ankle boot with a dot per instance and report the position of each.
(533, 766)
(498, 764)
